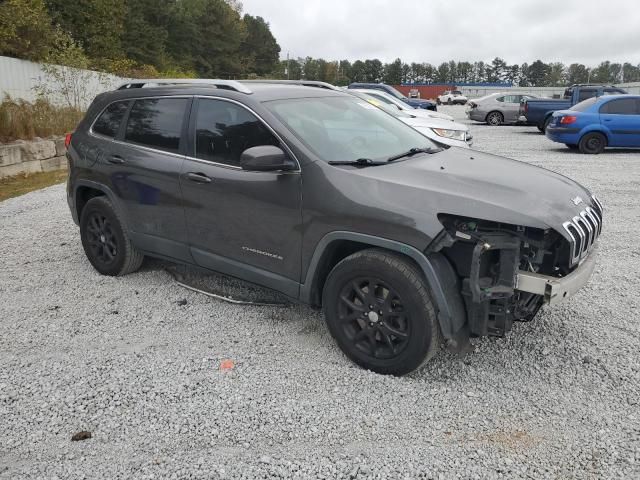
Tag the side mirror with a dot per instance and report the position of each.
(265, 158)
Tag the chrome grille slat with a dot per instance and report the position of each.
(584, 229)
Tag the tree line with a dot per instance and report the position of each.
(212, 38)
(536, 74)
(140, 38)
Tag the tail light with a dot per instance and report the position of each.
(67, 140)
(568, 119)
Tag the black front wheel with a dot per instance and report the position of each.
(105, 240)
(379, 310)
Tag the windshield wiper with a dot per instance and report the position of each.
(360, 162)
(413, 151)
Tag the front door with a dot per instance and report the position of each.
(245, 224)
(621, 117)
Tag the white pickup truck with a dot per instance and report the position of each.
(452, 97)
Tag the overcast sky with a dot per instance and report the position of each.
(586, 31)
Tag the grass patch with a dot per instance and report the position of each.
(19, 185)
(26, 120)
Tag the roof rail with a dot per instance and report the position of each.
(304, 83)
(159, 82)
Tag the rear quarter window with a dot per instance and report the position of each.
(108, 123)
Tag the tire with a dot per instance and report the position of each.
(449, 101)
(105, 240)
(546, 123)
(400, 333)
(571, 146)
(540, 128)
(592, 143)
(494, 119)
(438, 101)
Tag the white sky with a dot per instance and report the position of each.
(585, 31)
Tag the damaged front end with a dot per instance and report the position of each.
(507, 272)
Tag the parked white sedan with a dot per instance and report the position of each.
(441, 131)
(393, 102)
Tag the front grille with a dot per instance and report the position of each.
(584, 229)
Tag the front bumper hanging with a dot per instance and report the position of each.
(555, 290)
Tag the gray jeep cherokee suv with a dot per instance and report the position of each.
(332, 202)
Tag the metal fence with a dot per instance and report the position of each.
(21, 79)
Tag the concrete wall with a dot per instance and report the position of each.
(22, 157)
(19, 79)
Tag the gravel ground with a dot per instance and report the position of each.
(141, 363)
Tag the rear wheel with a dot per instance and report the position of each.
(449, 102)
(378, 308)
(592, 143)
(495, 119)
(105, 240)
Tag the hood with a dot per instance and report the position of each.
(478, 185)
(427, 114)
(427, 122)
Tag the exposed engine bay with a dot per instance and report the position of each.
(487, 257)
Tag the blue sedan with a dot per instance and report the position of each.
(598, 122)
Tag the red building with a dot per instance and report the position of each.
(426, 91)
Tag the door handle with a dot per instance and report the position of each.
(607, 119)
(198, 177)
(115, 159)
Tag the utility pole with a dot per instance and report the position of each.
(288, 67)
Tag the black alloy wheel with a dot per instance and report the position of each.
(373, 318)
(105, 240)
(100, 238)
(378, 307)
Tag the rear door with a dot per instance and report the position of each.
(144, 168)
(511, 108)
(242, 223)
(621, 117)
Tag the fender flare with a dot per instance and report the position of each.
(439, 274)
(107, 192)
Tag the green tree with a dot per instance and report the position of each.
(393, 72)
(144, 36)
(25, 29)
(97, 25)
(374, 70)
(443, 73)
(555, 75)
(537, 72)
(358, 72)
(577, 73)
(260, 46)
(205, 36)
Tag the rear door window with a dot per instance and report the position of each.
(157, 123)
(108, 123)
(587, 93)
(622, 106)
(224, 130)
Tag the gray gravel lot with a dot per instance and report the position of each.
(128, 360)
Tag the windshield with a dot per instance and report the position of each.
(389, 100)
(582, 106)
(346, 128)
(388, 107)
(392, 91)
